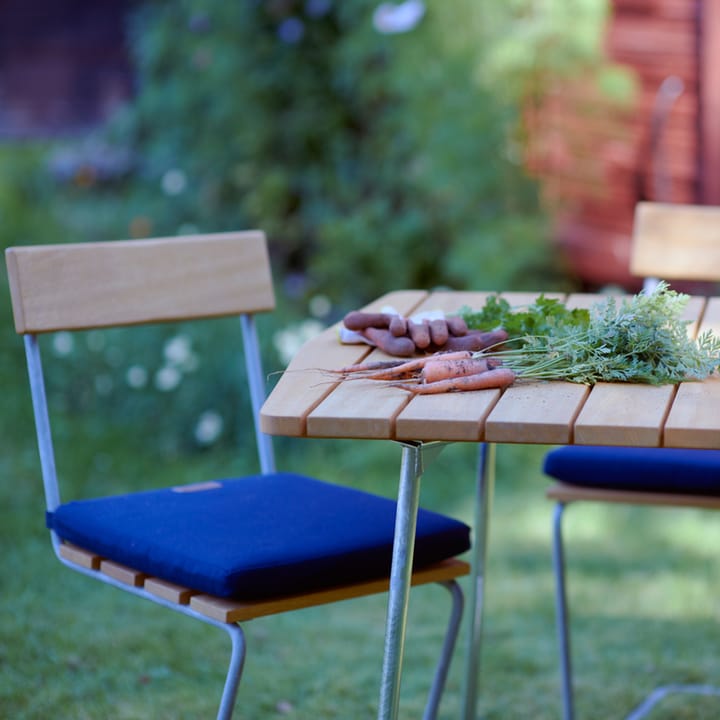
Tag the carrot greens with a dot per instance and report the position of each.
(639, 339)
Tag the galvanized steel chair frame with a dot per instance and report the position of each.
(256, 383)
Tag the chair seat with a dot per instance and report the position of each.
(651, 470)
(254, 537)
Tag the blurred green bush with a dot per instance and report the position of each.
(373, 161)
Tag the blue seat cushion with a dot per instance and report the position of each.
(254, 537)
(662, 470)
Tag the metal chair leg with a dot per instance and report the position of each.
(451, 635)
(562, 617)
(232, 680)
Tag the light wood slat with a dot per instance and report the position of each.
(86, 285)
(169, 591)
(358, 409)
(624, 414)
(536, 412)
(122, 573)
(452, 416)
(235, 611)
(676, 241)
(303, 386)
(83, 558)
(563, 492)
(694, 419)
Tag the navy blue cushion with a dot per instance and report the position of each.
(253, 537)
(664, 470)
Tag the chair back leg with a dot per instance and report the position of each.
(451, 634)
(562, 617)
(232, 680)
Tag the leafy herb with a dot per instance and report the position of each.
(643, 339)
(542, 317)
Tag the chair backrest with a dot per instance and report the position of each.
(91, 285)
(672, 241)
(131, 282)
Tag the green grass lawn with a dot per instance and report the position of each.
(643, 591)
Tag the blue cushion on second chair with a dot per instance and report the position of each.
(662, 470)
(254, 537)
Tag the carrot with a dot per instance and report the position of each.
(476, 340)
(386, 341)
(419, 333)
(368, 366)
(357, 320)
(398, 326)
(406, 369)
(456, 325)
(439, 332)
(441, 369)
(497, 378)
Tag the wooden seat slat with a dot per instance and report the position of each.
(169, 591)
(79, 556)
(564, 492)
(231, 611)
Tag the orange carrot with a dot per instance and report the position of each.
(404, 370)
(497, 378)
(442, 369)
(368, 365)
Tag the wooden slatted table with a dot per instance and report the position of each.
(308, 402)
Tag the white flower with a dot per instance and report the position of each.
(178, 350)
(288, 341)
(391, 18)
(63, 343)
(208, 427)
(320, 306)
(136, 376)
(174, 182)
(167, 378)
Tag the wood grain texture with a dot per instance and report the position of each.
(237, 611)
(89, 285)
(676, 241)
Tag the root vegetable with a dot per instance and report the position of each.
(357, 320)
(441, 369)
(497, 378)
(386, 341)
(476, 340)
(398, 326)
(399, 370)
(419, 333)
(439, 332)
(456, 325)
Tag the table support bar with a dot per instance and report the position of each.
(483, 502)
(405, 524)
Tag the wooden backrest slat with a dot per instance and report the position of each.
(128, 282)
(676, 241)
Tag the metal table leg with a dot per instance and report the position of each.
(483, 502)
(401, 572)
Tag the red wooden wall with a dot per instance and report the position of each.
(597, 159)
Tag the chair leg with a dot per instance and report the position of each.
(562, 617)
(441, 671)
(232, 680)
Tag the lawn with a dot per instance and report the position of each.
(642, 589)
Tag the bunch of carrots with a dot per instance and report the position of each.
(437, 373)
(402, 337)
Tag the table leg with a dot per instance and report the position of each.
(400, 575)
(483, 501)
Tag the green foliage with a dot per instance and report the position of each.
(643, 339)
(542, 317)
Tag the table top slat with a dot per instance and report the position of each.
(536, 412)
(624, 414)
(286, 409)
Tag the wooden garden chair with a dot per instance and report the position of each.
(669, 242)
(227, 550)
